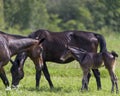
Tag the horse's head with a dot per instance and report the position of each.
(72, 51)
(35, 53)
(66, 54)
(17, 72)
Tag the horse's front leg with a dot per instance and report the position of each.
(97, 77)
(38, 76)
(88, 78)
(3, 77)
(116, 83)
(47, 75)
(85, 80)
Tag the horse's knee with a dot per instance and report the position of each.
(38, 68)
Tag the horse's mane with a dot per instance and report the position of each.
(12, 35)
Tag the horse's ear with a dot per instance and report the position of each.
(41, 40)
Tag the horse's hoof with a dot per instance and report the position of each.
(8, 89)
(14, 87)
(37, 88)
(99, 88)
(51, 87)
(82, 89)
(112, 91)
(117, 91)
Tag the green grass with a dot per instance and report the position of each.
(66, 78)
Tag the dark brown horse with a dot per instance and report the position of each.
(91, 60)
(11, 45)
(54, 45)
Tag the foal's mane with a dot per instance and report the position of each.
(77, 48)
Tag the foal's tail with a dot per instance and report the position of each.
(114, 54)
(102, 42)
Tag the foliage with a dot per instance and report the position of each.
(1, 15)
(57, 15)
(39, 16)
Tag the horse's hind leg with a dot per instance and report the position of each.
(97, 76)
(3, 77)
(47, 75)
(116, 83)
(113, 80)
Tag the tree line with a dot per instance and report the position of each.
(57, 15)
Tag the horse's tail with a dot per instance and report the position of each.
(102, 42)
(114, 54)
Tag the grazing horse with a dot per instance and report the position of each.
(91, 60)
(11, 45)
(54, 45)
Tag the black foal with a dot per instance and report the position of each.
(90, 60)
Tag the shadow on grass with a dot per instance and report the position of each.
(47, 89)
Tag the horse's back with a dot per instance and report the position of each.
(55, 42)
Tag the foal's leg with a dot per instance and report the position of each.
(116, 83)
(3, 77)
(47, 76)
(88, 78)
(85, 80)
(97, 76)
(113, 80)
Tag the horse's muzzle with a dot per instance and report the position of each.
(61, 58)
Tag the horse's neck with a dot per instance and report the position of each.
(20, 59)
(20, 45)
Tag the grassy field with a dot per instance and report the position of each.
(66, 78)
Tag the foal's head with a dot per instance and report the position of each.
(73, 51)
(35, 53)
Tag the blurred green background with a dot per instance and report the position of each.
(25, 16)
